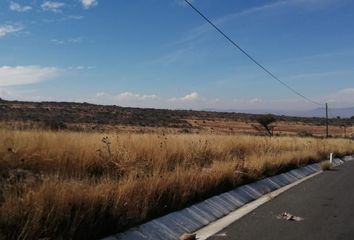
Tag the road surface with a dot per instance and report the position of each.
(326, 202)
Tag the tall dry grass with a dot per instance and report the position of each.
(64, 185)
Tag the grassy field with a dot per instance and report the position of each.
(70, 185)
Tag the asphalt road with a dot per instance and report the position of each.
(326, 202)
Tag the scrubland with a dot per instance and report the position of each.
(72, 185)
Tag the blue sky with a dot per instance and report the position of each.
(159, 53)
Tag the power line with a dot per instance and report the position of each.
(251, 58)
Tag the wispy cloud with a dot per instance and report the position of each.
(86, 4)
(4, 93)
(324, 55)
(191, 100)
(21, 75)
(347, 91)
(81, 67)
(14, 6)
(343, 97)
(186, 56)
(127, 96)
(204, 28)
(8, 29)
(191, 97)
(100, 94)
(57, 41)
(21, 94)
(74, 17)
(66, 41)
(256, 100)
(52, 6)
(63, 18)
(321, 75)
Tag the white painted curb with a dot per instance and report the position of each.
(195, 217)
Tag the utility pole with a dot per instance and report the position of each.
(327, 134)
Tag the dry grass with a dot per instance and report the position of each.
(64, 185)
(326, 165)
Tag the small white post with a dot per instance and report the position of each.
(331, 158)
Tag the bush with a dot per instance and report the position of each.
(54, 124)
(304, 133)
(326, 165)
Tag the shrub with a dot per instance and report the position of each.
(304, 133)
(326, 165)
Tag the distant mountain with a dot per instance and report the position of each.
(318, 112)
(333, 112)
(254, 111)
